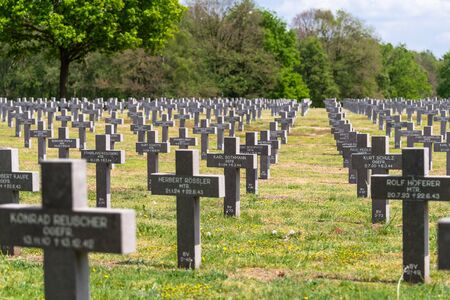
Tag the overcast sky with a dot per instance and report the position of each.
(420, 24)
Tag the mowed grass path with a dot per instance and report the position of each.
(305, 235)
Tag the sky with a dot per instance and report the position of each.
(420, 24)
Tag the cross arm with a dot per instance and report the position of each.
(109, 157)
(87, 229)
(220, 160)
(19, 181)
(371, 162)
(196, 186)
(63, 143)
(153, 147)
(256, 149)
(410, 188)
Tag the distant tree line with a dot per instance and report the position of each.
(226, 48)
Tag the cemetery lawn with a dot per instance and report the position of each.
(305, 235)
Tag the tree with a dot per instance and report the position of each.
(316, 70)
(402, 76)
(444, 77)
(282, 44)
(351, 46)
(72, 29)
(430, 64)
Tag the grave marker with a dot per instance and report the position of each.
(263, 151)
(443, 239)
(444, 147)
(362, 146)
(379, 161)
(183, 141)
(67, 229)
(205, 131)
(428, 139)
(103, 157)
(12, 182)
(152, 148)
(415, 188)
(165, 123)
(221, 127)
(81, 124)
(41, 134)
(232, 161)
(63, 143)
(188, 186)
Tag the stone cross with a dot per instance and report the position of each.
(232, 118)
(92, 113)
(232, 161)
(443, 119)
(27, 121)
(205, 131)
(379, 161)
(383, 115)
(397, 135)
(263, 151)
(103, 157)
(415, 188)
(430, 116)
(345, 139)
(114, 137)
(275, 133)
(165, 123)
(443, 241)
(41, 134)
(409, 133)
(196, 110)
(81, 124)
(286, 123)
(141, 128)
(63, 143)
(17, 115)
(67, 229)
(64, 118)
(221, 127)
(362, 146)
(113, 120)
(444, 147)
(344, 136)
(50, 109)
(74, 108)
(183, 141)
(12, 181)
(265, 139)
(427, 139)
(390, 121)
(152, 148)
(182, 116)
(188, 186)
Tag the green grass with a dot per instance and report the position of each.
(305, 235)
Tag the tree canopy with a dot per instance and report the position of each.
(226, 48)
(444, 77)
(72, 29)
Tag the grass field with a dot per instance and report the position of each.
(304, 236)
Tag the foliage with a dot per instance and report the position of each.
(430, 64)
(282, 43)
(444, 77)
(228, 48)
(402, 75)
(316, 70)
(351, 46)
(72, 29)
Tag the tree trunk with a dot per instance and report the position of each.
(63, 72)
